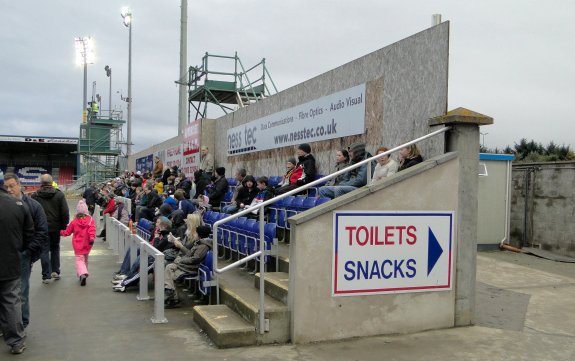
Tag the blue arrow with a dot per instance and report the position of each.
(434, 251)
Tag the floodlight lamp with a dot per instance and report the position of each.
(126, 15)
(84, 50)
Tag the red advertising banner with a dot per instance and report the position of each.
(191, 148)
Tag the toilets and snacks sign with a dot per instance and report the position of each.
(332, 116)
(392, 252)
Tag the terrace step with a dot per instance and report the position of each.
(237, 292)
(276, 285)
(224, 326)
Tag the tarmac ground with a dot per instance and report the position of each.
(525, 311)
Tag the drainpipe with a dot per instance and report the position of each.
(503, 244)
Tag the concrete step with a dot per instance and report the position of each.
(224, 327)
(238, 293)
(276, 285)
(283, 257)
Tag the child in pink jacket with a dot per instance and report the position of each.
(84, 229)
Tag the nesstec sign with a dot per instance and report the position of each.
(333, 116)
(392, 252)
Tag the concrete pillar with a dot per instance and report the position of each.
(464, 139)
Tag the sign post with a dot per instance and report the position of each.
(392, 252)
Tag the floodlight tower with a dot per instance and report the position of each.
(84, 56)
(127, 16)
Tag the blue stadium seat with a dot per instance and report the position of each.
(206, 274)
(314, 191)
(235, 231)
(294, 208)
(308, 203)
(274, 180)
(145, 228)
(227, 198)
(243, 234)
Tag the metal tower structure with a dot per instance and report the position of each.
(100, 146)
(240, 87)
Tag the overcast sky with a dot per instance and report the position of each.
(512, 60)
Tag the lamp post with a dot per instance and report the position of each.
(108, 70)
(483, 139)
(183, 94)
(127, 16)
(84, 56)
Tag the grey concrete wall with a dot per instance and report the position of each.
(492, 205)
(549, 207)
(406, 85)
(316, 315)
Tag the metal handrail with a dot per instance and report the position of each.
(119, 236)
(280, 197)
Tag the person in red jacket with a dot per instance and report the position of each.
(109, 209)
(84, 229)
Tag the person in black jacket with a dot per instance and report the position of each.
(245, 196)
(305, 166)
(409, 156)
(153, 201)
(17, 229)
(202, 180)
(36, 245)
(186, 185)
(55, 206)
(90, 195)
(218, 191)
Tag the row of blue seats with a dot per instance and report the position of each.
(241, 235)
(290, 206)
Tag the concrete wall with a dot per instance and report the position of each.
(406, 85)
(545, 217)
(316, 315)
(493, 207)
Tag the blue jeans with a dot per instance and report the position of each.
(11, 312)
(335, 191)
(126, 264)
(50, 260)
(230, 208)
(26, 266)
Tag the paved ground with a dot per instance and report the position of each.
(526, 311)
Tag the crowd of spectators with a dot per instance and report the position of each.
(175, 202)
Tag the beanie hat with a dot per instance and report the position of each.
(82, 208)
(203, 231)
(305, 147)
(292, 160)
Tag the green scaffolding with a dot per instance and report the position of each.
(99, 146)
(241, 87)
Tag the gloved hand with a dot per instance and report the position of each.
(172, 238)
